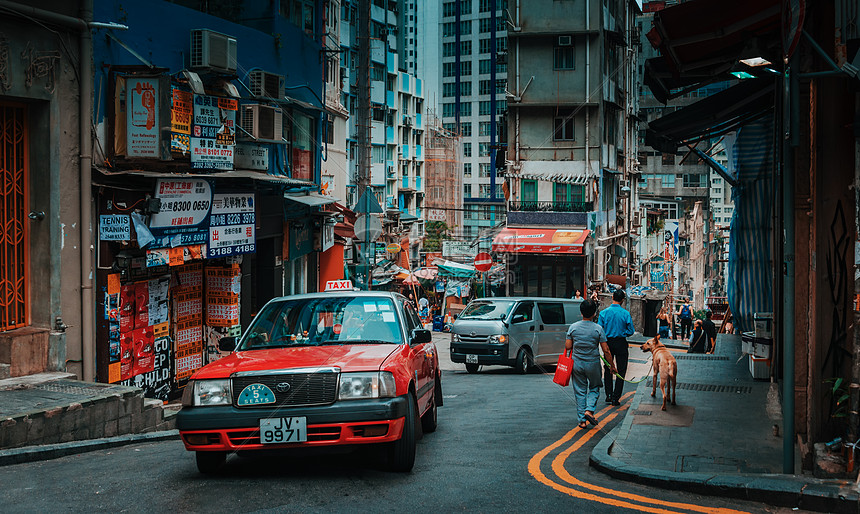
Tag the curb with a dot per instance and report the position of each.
(55, 451)
(779, 490)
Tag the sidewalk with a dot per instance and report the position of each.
(49, 415)
(719, 439)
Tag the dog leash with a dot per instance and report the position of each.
(647, 375)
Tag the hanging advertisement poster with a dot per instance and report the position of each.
(115, 227)
(231, 226)
(222, 296)
(154, 364)
(183, 218)
(213, 132)
(180, 122)
(142, 130)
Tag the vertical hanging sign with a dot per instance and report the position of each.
(232, 225)
(142, 130)
(213, 134)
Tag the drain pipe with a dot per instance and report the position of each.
(88, 341)
(791, 104)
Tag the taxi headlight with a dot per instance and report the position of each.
(355, 386)
(201, 393)
(498, 339)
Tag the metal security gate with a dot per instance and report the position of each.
(14, 240)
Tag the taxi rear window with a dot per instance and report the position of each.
(323, 321)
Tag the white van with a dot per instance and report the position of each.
(519, 332)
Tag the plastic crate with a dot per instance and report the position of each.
(759, 368)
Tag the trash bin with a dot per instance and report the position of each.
(438, 323)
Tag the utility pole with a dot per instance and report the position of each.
(362, 130)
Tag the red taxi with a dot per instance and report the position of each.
(313, 370)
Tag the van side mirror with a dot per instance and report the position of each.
(227, 344)
(519, 318)
(421, 336)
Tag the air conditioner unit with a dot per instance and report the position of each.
(213, 51)
(266, 85)
(391, 172)
(263, 121)
(407, 121)
(565, 40)
(637, 219)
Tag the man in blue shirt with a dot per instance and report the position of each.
(618, 325)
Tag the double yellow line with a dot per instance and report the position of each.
(591, 492)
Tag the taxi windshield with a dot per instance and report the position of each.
(321, 321)
(483, 309)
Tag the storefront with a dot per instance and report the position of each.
(544, 262)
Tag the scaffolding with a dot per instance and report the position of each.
(443, 193)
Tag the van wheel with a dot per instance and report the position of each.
(524, 361)
(472, 368)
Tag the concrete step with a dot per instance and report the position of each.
(36, 411)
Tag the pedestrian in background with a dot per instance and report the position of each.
(663, 322)
(618, 326)
(698, 339)
(577, 295)
(586, 338)
(685, 314)
(711, 331)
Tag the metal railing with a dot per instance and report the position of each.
(550, 206)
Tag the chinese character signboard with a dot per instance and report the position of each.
(142, 130)
(231, 227)
(213, 134)
(184, 215)
(180, 122)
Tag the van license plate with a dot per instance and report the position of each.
(283, 430)
(471, 359)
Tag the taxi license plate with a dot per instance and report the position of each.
(283, 430)
(471, 359)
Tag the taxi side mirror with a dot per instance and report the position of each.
(519, 318)
(227, 344)
(421, 336)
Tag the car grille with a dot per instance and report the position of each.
(252, 436)
(474, 339)
(305, 388)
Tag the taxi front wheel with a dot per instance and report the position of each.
(210, 462)
(402, 451)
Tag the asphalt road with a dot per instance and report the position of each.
(505, 442)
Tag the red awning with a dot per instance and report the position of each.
(533, 240)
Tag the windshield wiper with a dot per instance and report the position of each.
(274, 346)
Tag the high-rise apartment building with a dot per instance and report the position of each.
(464, 59)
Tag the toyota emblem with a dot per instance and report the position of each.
(283, 387)
(473, 333)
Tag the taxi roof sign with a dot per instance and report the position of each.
(338, 285)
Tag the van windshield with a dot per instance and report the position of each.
(483, 309)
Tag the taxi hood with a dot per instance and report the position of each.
(348, 358)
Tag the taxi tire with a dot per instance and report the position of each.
(429, 420)
(209, 463)
(402, 451)
(524, 361)
(472, 368)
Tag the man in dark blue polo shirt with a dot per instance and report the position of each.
(618, 325)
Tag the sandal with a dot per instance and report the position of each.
(583, 425)
(591, 419)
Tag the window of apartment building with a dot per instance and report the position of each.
(483, 149)
(717, 210)
(501, 107)
(466, 27)
(501, 86)
(563, 128)
(564, 193)
(484, 108)
(692, 180)
(467, 213)
(563, 58)
(377, 154)
(449, 110)
(465, 68)
(717, 190)
(449, 89)
(500, 192)
(485, 24)
(484, 169)
(329, 129)
(467, 149)
(467, 169)
(449, 49)
(502, 68)
(485, 87)
(484, 190)
(467, 190)
(465, 6)
(484, 67)
(529, 191)
(449, 9)
(484, 128)
(405, 136)
(466, 88)
(378, 114)
(466, 109)
(717, 181)
(484, 46)
(449, 28)
(667, 180)
(452, 127)
(501, 44)
(465, 48)
(466, 129)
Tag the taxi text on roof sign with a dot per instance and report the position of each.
(338, 285)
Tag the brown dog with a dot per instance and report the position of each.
(664, 365)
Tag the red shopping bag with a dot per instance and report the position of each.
(563, 369)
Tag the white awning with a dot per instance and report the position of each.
(311, 199)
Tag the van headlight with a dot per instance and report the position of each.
(498, 339)
(202, 393)
(357, 386)
(455, 338)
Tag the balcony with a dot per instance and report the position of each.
(549, 214)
